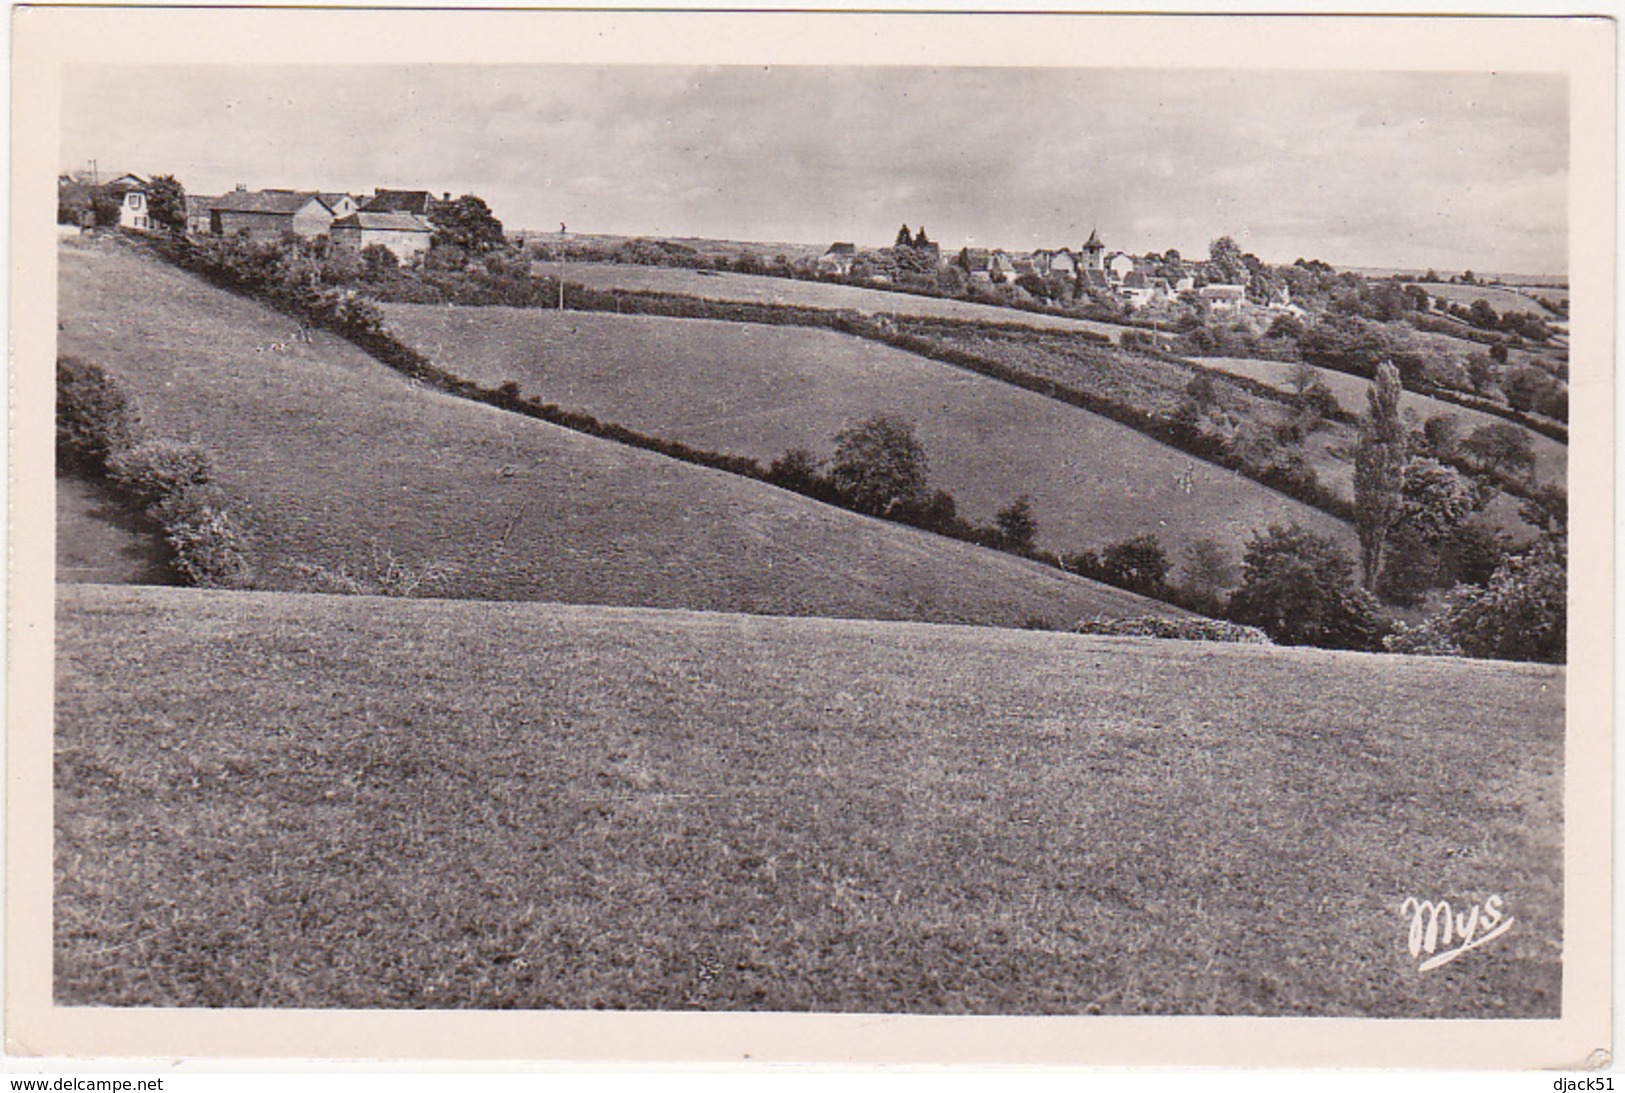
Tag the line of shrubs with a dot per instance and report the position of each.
(1154, 626)
(98, 435)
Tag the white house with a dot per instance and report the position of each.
(133, 211)
(1225, 297)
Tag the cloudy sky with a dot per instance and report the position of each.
(1446, 170)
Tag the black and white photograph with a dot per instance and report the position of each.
(980, 535)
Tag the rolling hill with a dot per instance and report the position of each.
(759, 391)
(278, 800)
(752, 288)
(346, 470)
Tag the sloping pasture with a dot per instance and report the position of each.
(346, 472)
(276, 800)
(1502, 299)
(753, 288)
(760, 390)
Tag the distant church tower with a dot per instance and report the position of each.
(1094, 252)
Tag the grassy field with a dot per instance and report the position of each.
(99, 539)
(1551, 457)
(1502, 299)
(711, 248)
(751, 288)
(282, 800)
(761, 390)
(346, 471)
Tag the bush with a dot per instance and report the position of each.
(93, 418)
(154, 469)
(1017, 526)
(1153, 626)
(1137, 564)
(1298, 587)
(211, 547)
(1520, 615)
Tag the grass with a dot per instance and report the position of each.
(282, 800)
(1502, 299)
(338, 462)
(759, 390)
(99, 538)
(752, 288)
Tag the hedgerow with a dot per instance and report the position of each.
(1153, 626)
(169, 480)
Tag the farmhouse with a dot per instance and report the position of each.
(977, 262)
(132, 211)
(403, 234)
(270, 214)
(341, 204)
(838, 259)
(1225, 297)
(1141, 288)
(415, 202)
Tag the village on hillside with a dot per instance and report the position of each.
(1132, 281)
(397, 220)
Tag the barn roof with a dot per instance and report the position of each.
(400, 201)
(383, 222)
(271, 202)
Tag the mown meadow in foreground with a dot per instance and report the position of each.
(582, 807)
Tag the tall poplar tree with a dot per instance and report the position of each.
(1379, 470)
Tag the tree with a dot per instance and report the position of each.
(1437, 499)
(920, 238)
(1480, 373)
(1379, 463)
(1018, 528)
(1207, 569)
(1298, 587)
(166, 203)
(1482, 315)
(879, 465)
(1225, 264)
(466, 223)
(1521, 614)
(905, 238)
(1440, 435)
(1437, 503)
(1524, 387)
(106, 204)
(1138, 564)
(1501, 447)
